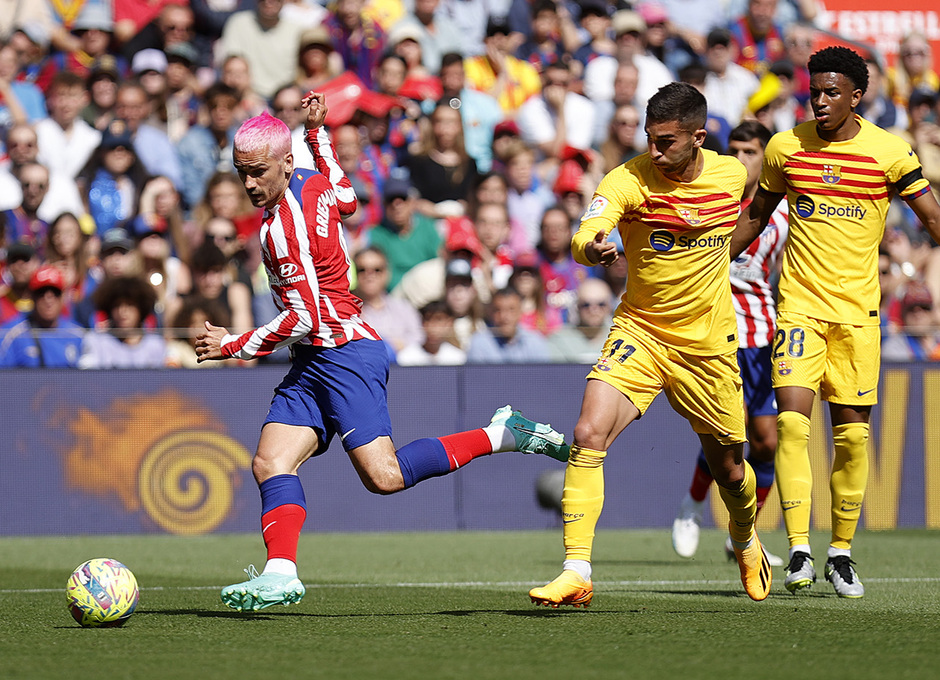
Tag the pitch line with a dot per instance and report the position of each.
(479, 584)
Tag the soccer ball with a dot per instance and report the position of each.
(102, 593)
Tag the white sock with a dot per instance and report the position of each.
(799, 548)
(501, 438)
(836, 552)
(279, 565)
(582, 567)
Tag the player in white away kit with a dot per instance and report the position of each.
(755, 308)
(337, 381)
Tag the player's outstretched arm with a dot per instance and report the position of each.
(751, 222)
(927, 210)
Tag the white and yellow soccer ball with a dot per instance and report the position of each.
(102, 593)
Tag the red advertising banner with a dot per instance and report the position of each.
(882, 24)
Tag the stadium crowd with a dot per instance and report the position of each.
(474, 133)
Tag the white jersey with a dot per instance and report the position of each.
(753, 295)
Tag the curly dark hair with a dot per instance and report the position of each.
(680, 102)
(133, 289)
(838, 59)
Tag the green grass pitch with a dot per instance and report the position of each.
(455, 605)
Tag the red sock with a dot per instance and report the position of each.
(701, 481)
(280, 529)
(762, 492)
(463, 447)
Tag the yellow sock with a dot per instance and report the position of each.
(794, 475)
(742, 505)
(582, 500)
(848, 480)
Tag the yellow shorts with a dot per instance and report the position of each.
(705, 390)
(839, 360)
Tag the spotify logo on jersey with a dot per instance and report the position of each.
(805, 206)
(662, 240)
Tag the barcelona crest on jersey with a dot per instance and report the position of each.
(832, 174)
(690, 215)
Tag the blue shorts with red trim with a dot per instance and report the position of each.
(336, 390)
(755, 366)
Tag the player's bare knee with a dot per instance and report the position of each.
(586, 434)
(383, 483)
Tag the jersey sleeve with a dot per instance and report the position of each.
(904, 170)
(321, 146)
(771, 177)
(616, 195)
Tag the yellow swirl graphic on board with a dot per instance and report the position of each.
(185, 480)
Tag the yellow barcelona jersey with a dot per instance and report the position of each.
(838, 195)
(676, 237)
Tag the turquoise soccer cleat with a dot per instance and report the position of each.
(530, 436)
(262, 590)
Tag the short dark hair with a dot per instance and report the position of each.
(207, 257)
(217, 91)
(748, 130)
(435, 307)
(451, 58)
(543, 6)
(694, 73)
(680, 102)
(838, 59)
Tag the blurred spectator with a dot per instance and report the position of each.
(463, 300)
(67, 251)
(66, 142)
(922, 133)
(574, 185)
(799, 40)
(112, 179)
(236, 73)
(629, 29)
(757, 37)
(581, 342)
(426, 280)
(404, 40)
(21, 263)
(317, 63)
(919, 338)
(787, 11)
(286, 107)
(470, 17)
(223, 233)
(205, 150)
(405, 236)
(174, 24)
(437, 322)
(188, 322)
(693, 19)
(30, 41)
(225, 197)
(435, 32)
(167, 274)
(527, 278)
(717, 126)
(102, 86)
(914, 70)
(876, 106)
(528, 196)
(504, 340)
(728, 86)
(149, 69)
(213, 280)
(662, 41)
(595, 22)
(491, 225)
(545, 44)
(150, 143)
(626, 79)
(42, 338)
(479, 112)
(132, 16)
(265, 41)
(357, 38)
(210, 17)
(498, 73)
(159, 209)
(442, 171)
(116, 258)
(557, 117)
(23, 223)
(347, 142)
(395, 320)
(20, 102)
(561, 275)
(93, 27)
(619, 146)
(182, 90)
(123, 343)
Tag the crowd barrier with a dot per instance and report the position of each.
(93, 452)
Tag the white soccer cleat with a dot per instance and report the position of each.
(686, 528)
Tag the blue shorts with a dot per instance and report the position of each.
(339, 389)
(755, 366)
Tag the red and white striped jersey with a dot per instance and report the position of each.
(753, 295)
(307, 263)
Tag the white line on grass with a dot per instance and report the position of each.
(479, 584)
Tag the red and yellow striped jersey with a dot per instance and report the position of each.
(676, 237)
(838, 193)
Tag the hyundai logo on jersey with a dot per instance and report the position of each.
(662, 241)
(287, 269)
